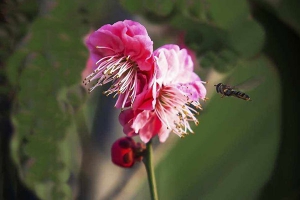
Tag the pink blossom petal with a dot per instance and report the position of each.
(126, 119)
(123, 56)
(151, 128)
(140, 120)
(163, 134)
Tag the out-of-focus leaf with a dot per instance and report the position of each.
(205, 38)
(45, 76)
(228, 13)
(289, 11)
(286, 10)
(160, 8)
(222, 48)
(232, 153)
(18, 59)
(222, 61)
(246, 38)
(194, 9)
(132, 5)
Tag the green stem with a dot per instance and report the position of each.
(150, 171)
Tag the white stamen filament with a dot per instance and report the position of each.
(175, 110)
(119, 70)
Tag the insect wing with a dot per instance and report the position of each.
(249, 84)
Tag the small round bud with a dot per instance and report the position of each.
(125, 151)
(122, 152)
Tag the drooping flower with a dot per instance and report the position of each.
(123, 55)
(176, 98)
(125, 152)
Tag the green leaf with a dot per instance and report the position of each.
(132, 5)
(45, 73)
(222, 61)
(194, 9)
(286, 10)
(246, 38)
(159, 7)
(228, 13)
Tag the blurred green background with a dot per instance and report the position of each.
(56, 139)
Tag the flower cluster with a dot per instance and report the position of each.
(158, 91)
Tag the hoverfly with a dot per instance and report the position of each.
(227, 90)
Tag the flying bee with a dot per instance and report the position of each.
(227, 90)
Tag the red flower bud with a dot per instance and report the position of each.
(124, 152)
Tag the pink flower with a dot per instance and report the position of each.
(176, 98)
(123, 55)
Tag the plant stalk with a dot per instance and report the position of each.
(150, 170)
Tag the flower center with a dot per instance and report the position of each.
(175, 110)
(119, 70)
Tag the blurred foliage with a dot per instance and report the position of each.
(233, 152)
(44, 73)
(283, 46)
(16, 16)
(221, 32)
(43, 56)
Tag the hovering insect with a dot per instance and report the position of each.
(227, 90)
